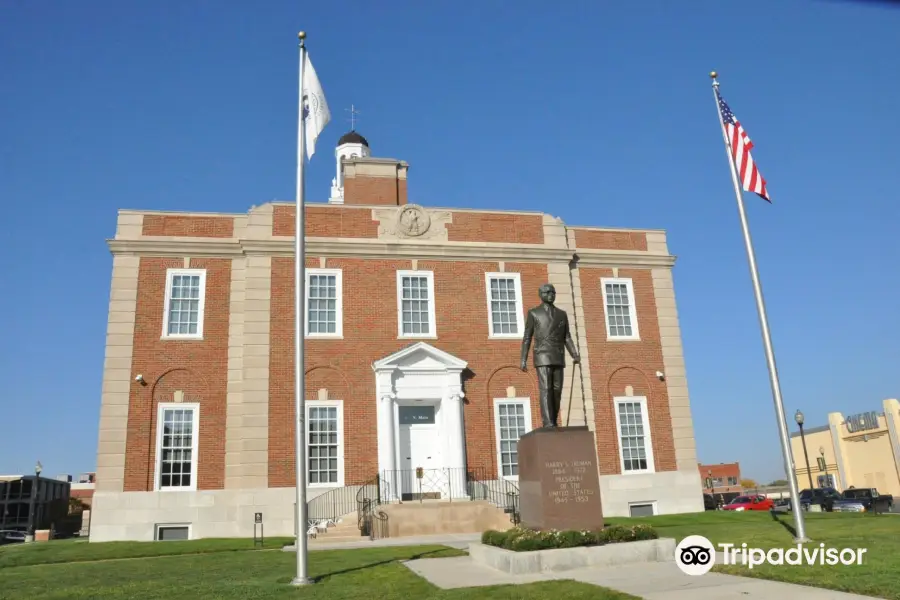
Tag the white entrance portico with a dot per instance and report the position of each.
(420, 424)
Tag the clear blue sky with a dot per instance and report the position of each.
(598, 112)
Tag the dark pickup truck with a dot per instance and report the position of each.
(824, 497)
(864, 500)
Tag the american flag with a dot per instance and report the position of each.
(739, 143)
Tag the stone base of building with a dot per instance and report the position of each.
(137, 516)
(669, 492)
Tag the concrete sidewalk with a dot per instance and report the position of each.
(652, 581)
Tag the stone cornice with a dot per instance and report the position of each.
(622, 258)
(379, 249)
(177, 246)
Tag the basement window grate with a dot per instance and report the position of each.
(642, 510)
(170, 533)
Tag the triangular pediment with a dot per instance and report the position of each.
(420, 357)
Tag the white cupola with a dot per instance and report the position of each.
(351, 145)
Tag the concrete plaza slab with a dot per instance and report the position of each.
(652, 581)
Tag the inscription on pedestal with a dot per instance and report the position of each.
(569, 477)
(558, 481)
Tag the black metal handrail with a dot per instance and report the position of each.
(371, 521)
(499, 491)
(417, 485)
(412, 485)
(331, 506)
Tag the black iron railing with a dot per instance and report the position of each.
(499, 491)
(331, 506)
(419, 485)
(372, 521)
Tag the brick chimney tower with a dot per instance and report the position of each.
(365, 180)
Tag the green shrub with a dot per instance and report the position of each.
(575, 539)
(493, 538)
(531, 542)
(521, 539)
(644, 532)
(614, 534)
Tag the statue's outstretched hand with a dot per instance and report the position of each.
(524, 366)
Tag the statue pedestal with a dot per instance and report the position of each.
(558, 483)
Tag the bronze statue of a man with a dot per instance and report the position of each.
(549, 326)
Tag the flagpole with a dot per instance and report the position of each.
(299, 375)
(796, 508)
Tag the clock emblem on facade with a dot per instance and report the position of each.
(413, 220)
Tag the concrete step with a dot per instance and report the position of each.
(331, 539)
(334, 531)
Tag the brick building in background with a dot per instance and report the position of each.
(414, 323)
(723, 478)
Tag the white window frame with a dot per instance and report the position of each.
(159, 526)
(528, 427)
(632, 308)
(339, 404)
(170, 274)
(429, 276)
(339, 304)
(648, 437)
(520, 320)
(651, 503)
(195, 446)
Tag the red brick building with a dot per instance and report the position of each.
(723, 478)
(413, 322)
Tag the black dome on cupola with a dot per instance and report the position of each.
(351, 137)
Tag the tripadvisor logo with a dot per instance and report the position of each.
(696, 555)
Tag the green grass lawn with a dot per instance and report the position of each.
(233, 569)
(879, 575)
(79, 550)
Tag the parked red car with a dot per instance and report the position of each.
(749, 503)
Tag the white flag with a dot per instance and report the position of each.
(315, 108)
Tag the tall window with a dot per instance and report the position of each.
(324, 311)
(504, 297)
(618, 301)
(185, 291)
(176, 446)
(512, 418)
(325, 443)
(415, 304)
(634, 435)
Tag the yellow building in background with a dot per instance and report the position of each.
(861, 450)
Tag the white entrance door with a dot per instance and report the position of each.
(421, 473)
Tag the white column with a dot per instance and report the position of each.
(456, 437)
(387, 460)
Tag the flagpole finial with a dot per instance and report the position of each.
(302, 37)
(713, 74)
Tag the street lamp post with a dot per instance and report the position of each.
(29, 536)
(798, 416)
(712, 488)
